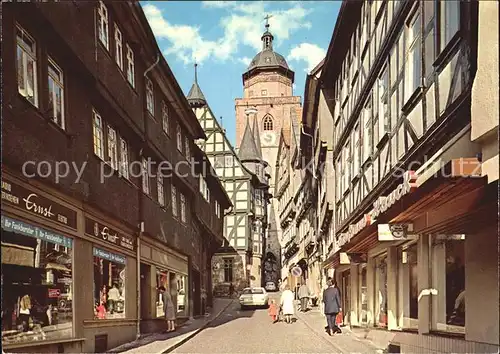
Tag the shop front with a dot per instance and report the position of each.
(38, 241)
(414, 255)
(161, 266)
(68, 275)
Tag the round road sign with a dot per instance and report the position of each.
(296, 271)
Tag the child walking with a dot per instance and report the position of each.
(273, 310)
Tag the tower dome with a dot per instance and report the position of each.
(267, 59)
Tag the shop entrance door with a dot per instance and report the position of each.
(146, 292)
(196, 293)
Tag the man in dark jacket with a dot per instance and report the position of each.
(331, 299)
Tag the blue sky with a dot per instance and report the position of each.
(223, 36)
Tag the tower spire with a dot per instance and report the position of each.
(267, 37)
(195, 96)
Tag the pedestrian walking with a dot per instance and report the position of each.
(287, 299)
(231, 290)
(273, 310)
(331, 299)
(168, 308)
(303, 297)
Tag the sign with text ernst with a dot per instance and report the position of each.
(103, 232)
(30, 201)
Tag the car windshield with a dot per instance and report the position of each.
(249, 291)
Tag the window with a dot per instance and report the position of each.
(449, 21)
(183, 208)
(109, 284)
(339, 190)
(356, 150)
(36, 273)
(268, 123)
(414, 58)
(118, 47)
(228, 270)
(348, 164)
(381, 290)
(217, 209)
(112, 148)
(383, 92)
(98, 135)
(407, 258)
(174, 201)
(368, 133)
(179, 138)
(103, 25)
(145, 176)
(26, 67)
(130, 66)
(448, 276)
(164, 117)
(161, 194)
(124, 158)
(150, 100)
(56, 93)
(264, 92)
(188, 149)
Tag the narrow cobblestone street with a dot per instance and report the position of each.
(252, 331)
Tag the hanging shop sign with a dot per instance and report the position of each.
(30, 201)
(394, 232)
(382, 204)
(112, 257)
(19, 227)
(103, 232)
(296, 271)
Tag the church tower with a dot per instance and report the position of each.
(268, 87)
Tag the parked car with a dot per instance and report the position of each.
(270, 286)
(253, 297)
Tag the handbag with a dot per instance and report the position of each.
(339, 318)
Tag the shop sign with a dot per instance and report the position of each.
(382, 204)
(394, 232)
(112, 257)
(23, 228)
(35, 204)
(354, 229)
(54, 293)
(296, 271)
(108, 234)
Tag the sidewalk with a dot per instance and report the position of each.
(347, 342)
(163, 342)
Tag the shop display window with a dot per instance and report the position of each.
(161, 280)
(176, 285)
(36, 284)
(408, 286)
(363, 300)
(109, 285)
(448, 278)
(182, 295)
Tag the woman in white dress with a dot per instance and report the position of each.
(287, 306)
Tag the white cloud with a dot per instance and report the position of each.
(310, 53)
(245, 60)
(242, 26)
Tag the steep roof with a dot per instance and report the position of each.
(256, 136)
(195, 96)
(248, 148)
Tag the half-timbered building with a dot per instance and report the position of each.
(239, 260)
(415, 244)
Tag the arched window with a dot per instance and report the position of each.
(268, 123)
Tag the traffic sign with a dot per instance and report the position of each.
(296, 271)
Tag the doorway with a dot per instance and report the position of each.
(196, 284)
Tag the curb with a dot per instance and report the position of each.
(195, 332)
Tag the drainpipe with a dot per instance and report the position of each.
(141, 224)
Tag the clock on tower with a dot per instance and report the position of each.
(268, 138)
